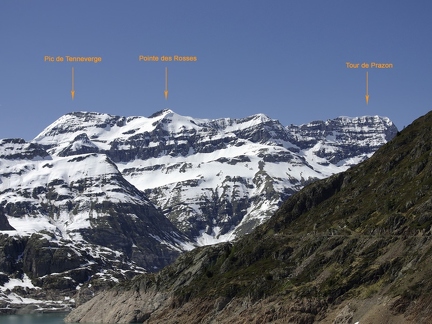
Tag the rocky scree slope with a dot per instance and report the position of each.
(353, 247)
(217, 179)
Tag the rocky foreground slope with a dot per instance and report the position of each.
(352, 247)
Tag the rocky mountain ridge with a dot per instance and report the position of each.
(105, 197)
(218, 179)
(355, 247)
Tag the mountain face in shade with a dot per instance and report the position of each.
(354, 247)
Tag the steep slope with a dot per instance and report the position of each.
(353, 247)
(218, 179)
(74, 218)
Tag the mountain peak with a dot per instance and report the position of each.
(162, 112)
(203, 155)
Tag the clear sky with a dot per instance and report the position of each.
(284, 58)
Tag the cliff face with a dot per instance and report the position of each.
(352, 247)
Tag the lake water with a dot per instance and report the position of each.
(54, 318)
(33, 319)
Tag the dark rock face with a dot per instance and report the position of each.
(41, 257)
(353, 247)
(81, 145)
(11, 253)
(18, 149)
(4, 223)
(142, 239)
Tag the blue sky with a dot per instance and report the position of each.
(283, 58)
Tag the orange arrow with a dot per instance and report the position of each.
(73, 90)
(166, 84)
(367, 88)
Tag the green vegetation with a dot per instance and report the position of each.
(358, 234)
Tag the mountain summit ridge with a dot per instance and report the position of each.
(239, 167)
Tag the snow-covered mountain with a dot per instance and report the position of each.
(65, 220)
(103, 197)
(217, 179)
